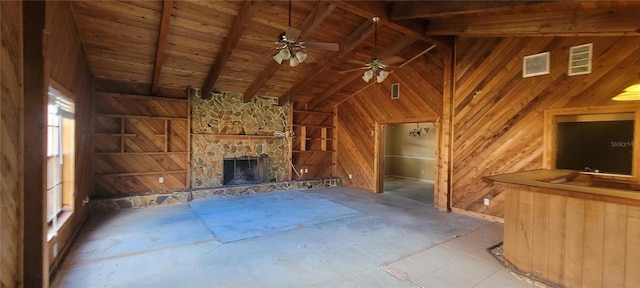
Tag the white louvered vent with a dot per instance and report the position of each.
(395, 90)
(580, 59)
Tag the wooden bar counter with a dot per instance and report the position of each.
(564, 227)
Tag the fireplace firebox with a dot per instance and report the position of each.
(245, 170)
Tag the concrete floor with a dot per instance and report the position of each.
(412, 189)
(334, 237)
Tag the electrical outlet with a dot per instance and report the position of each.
(486, 201)
(160, 179)
(350, 176)
(422, 172)
(306, 170)
(55, 250)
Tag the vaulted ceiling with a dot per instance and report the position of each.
(226, 45)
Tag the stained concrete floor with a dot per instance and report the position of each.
(334, 237)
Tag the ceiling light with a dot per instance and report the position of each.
(291, 53)
(382, 74)
(367, 75)
(283, 54)
(631, 93)
(293, 61)
(301, 56)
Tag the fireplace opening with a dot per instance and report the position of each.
(245, 170)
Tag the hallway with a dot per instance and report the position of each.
(420, 191)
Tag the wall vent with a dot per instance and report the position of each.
(580, 59)
(395, 90)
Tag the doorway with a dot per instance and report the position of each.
(409, 162)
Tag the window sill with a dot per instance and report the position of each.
(63, 216)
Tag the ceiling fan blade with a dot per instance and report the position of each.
(322, 46)
(393, 60)
(352, 70)
(293, 34)
(353, 61)
(310, 59)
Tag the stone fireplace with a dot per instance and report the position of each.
(245, 170)
(224, 127)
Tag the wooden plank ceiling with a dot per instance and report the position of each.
(226, 45)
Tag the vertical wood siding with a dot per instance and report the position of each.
(572, 242)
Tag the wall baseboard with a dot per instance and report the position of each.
(477, 215)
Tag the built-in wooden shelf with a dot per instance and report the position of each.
(313, 112)
(151, 140)
(314, 142)
(142, 116)
(143, 173)
(142, 153)
(142, 97)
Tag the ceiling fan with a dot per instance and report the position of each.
(291, 47)
(374, 66)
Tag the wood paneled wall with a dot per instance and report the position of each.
(498, 114)
(421, 85)
(67, 66)
(139, 139)
(571, 241)
(11, 170)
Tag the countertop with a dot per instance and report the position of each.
(564, 182)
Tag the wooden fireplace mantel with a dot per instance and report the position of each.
(238, 137)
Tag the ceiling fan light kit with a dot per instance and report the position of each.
(374, 67)
(292, 48)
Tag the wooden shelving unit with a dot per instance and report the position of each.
(313, 145)
(141, 143)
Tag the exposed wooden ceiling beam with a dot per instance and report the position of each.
(428, 9)
(413, 27)
(315, 18)
(613, 21)
(240, 24)
(346, 46)
(167, 6)
(397, 46)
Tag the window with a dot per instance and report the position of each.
(60, 157)
(594, 140)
